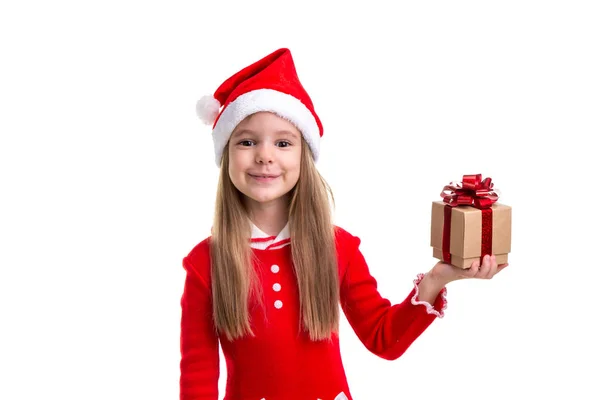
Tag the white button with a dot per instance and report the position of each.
(278, 304)
(276, 287)
(274, 269)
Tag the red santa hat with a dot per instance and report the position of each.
(270, 84)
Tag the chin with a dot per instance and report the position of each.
(261, 196)
(264, 198)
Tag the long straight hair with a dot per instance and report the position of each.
(234, 279)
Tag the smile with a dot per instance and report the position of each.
(264, 178)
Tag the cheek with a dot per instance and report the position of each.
(237, 159)
(234, 167)
(295, 177)
(293, 168)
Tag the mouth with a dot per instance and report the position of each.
(263, 177)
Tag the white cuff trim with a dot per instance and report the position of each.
(430, 310)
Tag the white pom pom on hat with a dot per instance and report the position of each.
(207, 109)
(270, 84)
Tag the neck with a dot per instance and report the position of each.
(269, 217)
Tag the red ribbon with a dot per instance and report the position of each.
(475, 192)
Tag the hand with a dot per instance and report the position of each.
(447, 273)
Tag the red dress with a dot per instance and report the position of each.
(280, 363)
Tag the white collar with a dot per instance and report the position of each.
(263, 241)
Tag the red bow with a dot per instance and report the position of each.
(472, 191)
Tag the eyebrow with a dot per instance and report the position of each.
(279, 132)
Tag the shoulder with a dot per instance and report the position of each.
(346, 244)
(197, 261)
(343, 237)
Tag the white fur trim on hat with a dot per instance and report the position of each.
(282, 104)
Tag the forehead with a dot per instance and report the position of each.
(265, 123)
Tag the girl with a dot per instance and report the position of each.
(268, 284)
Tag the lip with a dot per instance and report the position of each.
(263, 177)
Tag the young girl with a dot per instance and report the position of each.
(268, 284)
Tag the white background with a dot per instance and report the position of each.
(108, 181)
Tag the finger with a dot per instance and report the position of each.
(493, 267)
(501, 267)
(484, 271)
(473, 270)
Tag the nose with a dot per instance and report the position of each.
(264, 154)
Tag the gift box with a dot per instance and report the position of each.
(469, 223)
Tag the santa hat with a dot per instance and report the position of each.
(270, 84)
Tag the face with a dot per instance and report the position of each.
(264, 158)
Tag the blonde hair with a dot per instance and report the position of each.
(234, 280)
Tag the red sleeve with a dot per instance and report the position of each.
(386, 330)
(199, 342)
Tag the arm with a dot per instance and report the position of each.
(199, 342)
(386, 330)
(429, 288)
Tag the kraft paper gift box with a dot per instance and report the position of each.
(471, 222)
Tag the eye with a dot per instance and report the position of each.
(283, 143)
(246, 143)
